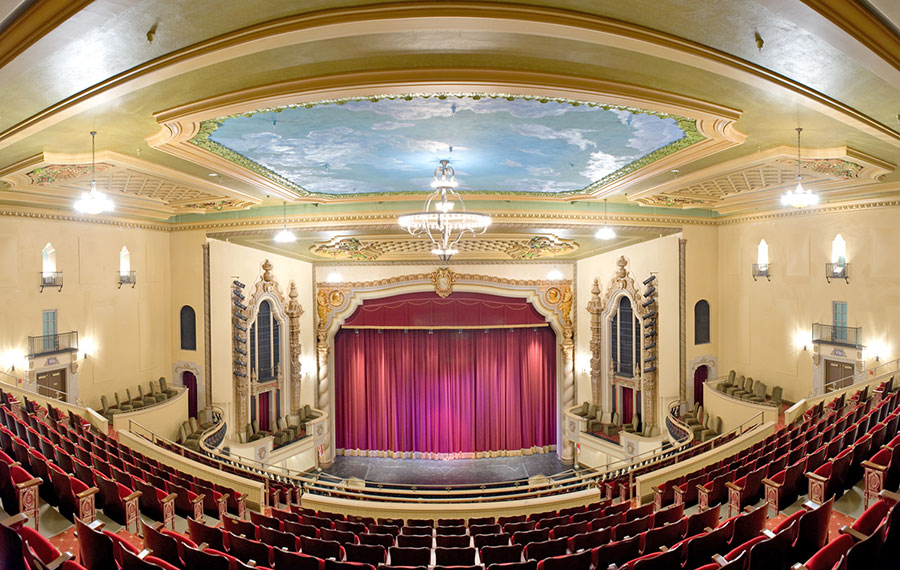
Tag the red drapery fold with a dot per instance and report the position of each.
(627, 405)
(445, 393)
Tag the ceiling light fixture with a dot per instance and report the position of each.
(95, 201)
(799, 197)
(285, 235)
(439, 222)
(606, 232)
(334, 276)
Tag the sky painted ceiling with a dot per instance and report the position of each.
(496, 144)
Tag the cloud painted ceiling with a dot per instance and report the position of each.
(496, 144)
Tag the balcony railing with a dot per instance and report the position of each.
(846, 336)
(50, 343)
(837, 271)
(50, 279)
(126, 278)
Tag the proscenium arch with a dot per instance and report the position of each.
(355, 294)
(442, 16)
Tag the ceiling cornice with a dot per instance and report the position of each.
(861, 24)
(455, 15)
(37, 21)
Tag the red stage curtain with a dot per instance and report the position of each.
(264, 414)
(445, 392)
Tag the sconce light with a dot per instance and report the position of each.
(837, 271)
(761, 271)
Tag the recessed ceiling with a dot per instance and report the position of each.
(498, 145)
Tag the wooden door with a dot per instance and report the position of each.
(52, 384)
(700, 376)
(837, 374)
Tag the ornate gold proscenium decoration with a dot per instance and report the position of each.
(349, 248)
(540, 246)
(443, 280)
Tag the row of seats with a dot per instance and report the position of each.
(749, 390)
(159, 391)
(123, 481)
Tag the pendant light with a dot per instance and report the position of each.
(285, 235)
(799, 197)
(334, 276)
(95, 201)
(606, 232)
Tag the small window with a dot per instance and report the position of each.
(124, 262)
(188, 328)
(839, 312)
(839, 251)
(48, 329)
(701, 322)
(48, 260)
(762, 255)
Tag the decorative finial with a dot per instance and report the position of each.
(621, 272)
(267, 271)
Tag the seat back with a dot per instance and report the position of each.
(278, 539)
(284, 560)
(545, 549)
(498, 554)
(499, 539)
(201, 533)
(400, 556)
(697, 522)
(666, 535)
(370, 538)
(812, 531)
(617, 553)
(321, 548)
(454, 556)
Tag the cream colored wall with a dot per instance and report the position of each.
(130, 328)
(186, 259)
(229, 262)
(762, 324)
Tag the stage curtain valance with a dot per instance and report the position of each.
(426, 310)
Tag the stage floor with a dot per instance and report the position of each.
(449, 472)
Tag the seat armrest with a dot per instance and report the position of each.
(15, 521)
(198, 499)
(733, 487)
(858, 536)
(87, 492)
(719, 559)
(768, 533)
(169, 498)
(874, 466)
(134, 495)
(97, 525)
(54, 565)
(29, 483)
(810, 506)
(889, 495)
(813, 476)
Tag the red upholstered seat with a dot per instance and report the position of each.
(576, 561)
(830, 554)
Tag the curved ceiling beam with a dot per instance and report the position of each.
(444, 16)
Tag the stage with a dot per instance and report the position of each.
(449, 472)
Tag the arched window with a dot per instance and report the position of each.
(48, 260)
(701, 322)
(624, 338)
(124, 262)
(762, 255)
(839, 251)
(265, 343)
(188, 328)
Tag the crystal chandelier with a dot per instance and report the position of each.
(440, 222)
(95, 201)
(799, 197)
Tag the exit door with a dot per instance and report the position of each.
(52, 384)
(837, 374)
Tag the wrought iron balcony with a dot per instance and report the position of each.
(837, 271)
(126, 278)
(761, 271)
(844, 336)
(50, 343)
(50, 279)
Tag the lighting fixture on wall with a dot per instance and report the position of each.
(441, 221)
(606, 232)
(285, 235)
(95, 201)
(799, 197)
(761, 267)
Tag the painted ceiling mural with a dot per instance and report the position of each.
(498, 145)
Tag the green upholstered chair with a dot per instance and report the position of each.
(613, 427)
(148, 398)
(775, 400)
(596, 424)
(584, 410)
(634, 426)
(714, 428)
(156, 393)
(106, 409)
(164, 387)
(124, 406)
(737, 386)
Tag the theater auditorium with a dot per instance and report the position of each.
(449, 285)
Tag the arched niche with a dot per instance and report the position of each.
(552, 299)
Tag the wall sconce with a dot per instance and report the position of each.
(761, 271)
(837, 271)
